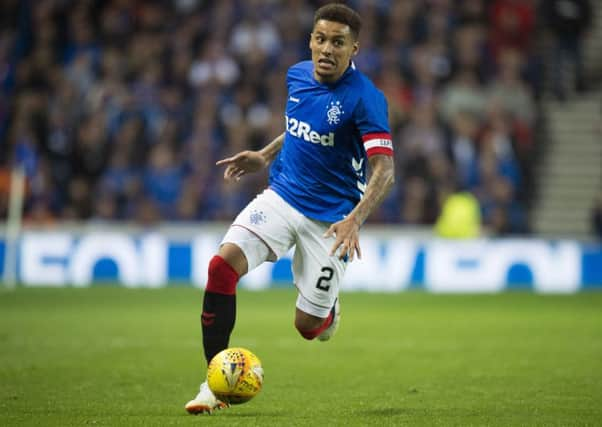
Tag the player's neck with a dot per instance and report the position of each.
(330, 80)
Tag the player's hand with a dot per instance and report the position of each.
(347, 239)
(242, 163)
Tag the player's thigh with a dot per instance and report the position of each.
(262, 230)
(317, 274)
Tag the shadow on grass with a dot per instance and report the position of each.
(417, 412)
(386, 412)
(262, 414)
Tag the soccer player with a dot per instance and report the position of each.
(318, 196)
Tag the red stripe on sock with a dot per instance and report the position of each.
(311, 334)
(222, 277)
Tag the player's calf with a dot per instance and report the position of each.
(219, 307)
(309, 326)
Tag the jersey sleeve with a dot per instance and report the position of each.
(372, 122)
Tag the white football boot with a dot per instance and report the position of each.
(204, 402)
(331, 330)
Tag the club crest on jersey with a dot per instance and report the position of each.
(257, 217)
(303, 130)
(334, 112)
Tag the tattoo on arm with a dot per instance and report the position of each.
(379, 185)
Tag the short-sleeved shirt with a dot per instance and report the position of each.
(331, 130)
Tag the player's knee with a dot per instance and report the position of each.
(308, 328)
(308, 335)
(222, 277)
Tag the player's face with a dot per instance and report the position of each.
(332, 46)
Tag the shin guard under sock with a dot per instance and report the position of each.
(219, 307)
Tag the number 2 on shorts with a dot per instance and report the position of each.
(325, 278)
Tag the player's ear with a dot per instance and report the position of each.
(356, 48)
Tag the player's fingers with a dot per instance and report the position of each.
(337, 246)
(344, 250)
(225, 161)
(329, 232)
(350, 254)
(334, 247)
(352, 251)
(228, 172)
(233, 159)
(231, 172)
(358, 249)
(238, 174)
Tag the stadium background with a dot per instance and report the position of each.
(114, 113)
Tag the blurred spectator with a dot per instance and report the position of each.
(472, 12)
(496, 183)
(397, 91)
(421, 139)
(512, 25)
(105, 208)
(254, 34)
(569, 21)
(119, 184)
(464, 134)
(5, 180)
(508, 90)
(424, 81)
(214, 66)
(470, 49)
(460, 217)
(163, 179)
(464, 94)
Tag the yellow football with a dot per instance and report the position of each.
(235, 375)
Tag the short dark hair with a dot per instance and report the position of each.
(343, 14)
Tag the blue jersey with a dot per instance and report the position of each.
(331, 130)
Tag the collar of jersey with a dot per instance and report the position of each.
(350, 69)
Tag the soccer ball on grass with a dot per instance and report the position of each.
(235, 375)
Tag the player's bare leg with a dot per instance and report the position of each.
(310, 326)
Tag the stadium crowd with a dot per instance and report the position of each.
(119, 109)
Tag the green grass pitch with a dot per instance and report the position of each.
(109, 356)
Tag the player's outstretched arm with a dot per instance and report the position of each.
(347, 230)
(251, 161)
